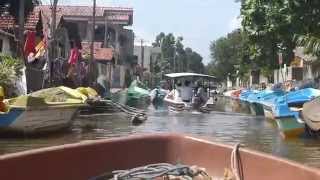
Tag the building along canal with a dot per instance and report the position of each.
(230, 124)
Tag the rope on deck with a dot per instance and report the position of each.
(161, 170)
(236, 163)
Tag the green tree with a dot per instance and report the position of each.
(173, 54)
(230, 56)
(10, 70)
(270, 30)
(280, 25)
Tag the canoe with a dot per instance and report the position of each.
(311, 114)
(43, 111)
(90, 159)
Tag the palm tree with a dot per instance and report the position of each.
(310, 43)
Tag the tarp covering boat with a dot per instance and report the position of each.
(50, 96)
(311, 114)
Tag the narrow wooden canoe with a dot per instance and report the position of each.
(85, 160)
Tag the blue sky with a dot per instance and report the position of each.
(198, 21)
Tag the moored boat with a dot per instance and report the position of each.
(261, 98)
(311, 115)
(254, 100)
(109, 155)
(138, 95)
(287, 111)
(43, 111)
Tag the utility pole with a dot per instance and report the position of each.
(21, 28)
(105, 45)
(142, 54)
(174, 59)
(52, 44)
(91, 67)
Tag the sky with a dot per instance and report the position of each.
(198, 21)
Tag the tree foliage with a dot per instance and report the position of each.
(10, 70)
(268, 27)
(175, 57)
(229, 56)
(272, 26)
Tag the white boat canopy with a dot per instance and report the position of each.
(182, 75)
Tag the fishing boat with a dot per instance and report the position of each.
(254, 101)
(311, 115)
(257, 100)
(136, 95)
(43, 111)
(233, 94)
(108, 155)
(287, 111)
(187, 97)
(241, 101)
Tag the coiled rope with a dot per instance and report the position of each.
(166, 170)
(154, 171)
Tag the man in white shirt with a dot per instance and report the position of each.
(186, 92)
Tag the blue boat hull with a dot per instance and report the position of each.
(6, 119)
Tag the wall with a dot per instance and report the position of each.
(5, 44)
(284, 74)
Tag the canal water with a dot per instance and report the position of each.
(230, 123)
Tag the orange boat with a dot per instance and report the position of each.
(85, 160)
(235, 94)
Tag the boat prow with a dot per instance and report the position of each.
(73, 162)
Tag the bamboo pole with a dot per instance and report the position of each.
(91, 68)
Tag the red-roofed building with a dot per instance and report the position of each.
(113, 41)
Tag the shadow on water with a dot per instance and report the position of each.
(225, 125)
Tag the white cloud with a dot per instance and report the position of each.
(235, 23)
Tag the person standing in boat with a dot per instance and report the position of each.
(201, 94)
(186, 92)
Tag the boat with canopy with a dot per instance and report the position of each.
(191, 91)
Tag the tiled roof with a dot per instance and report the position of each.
(102, 54)
(115, 14)
(7, 22)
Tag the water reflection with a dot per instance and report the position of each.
(222, 126)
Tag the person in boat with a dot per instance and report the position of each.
(175, 94)
(186, 92)
(201, 94)
(3, 106)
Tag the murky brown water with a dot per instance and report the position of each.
(227, 127)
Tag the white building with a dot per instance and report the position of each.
(5, 39)
(146, 56)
